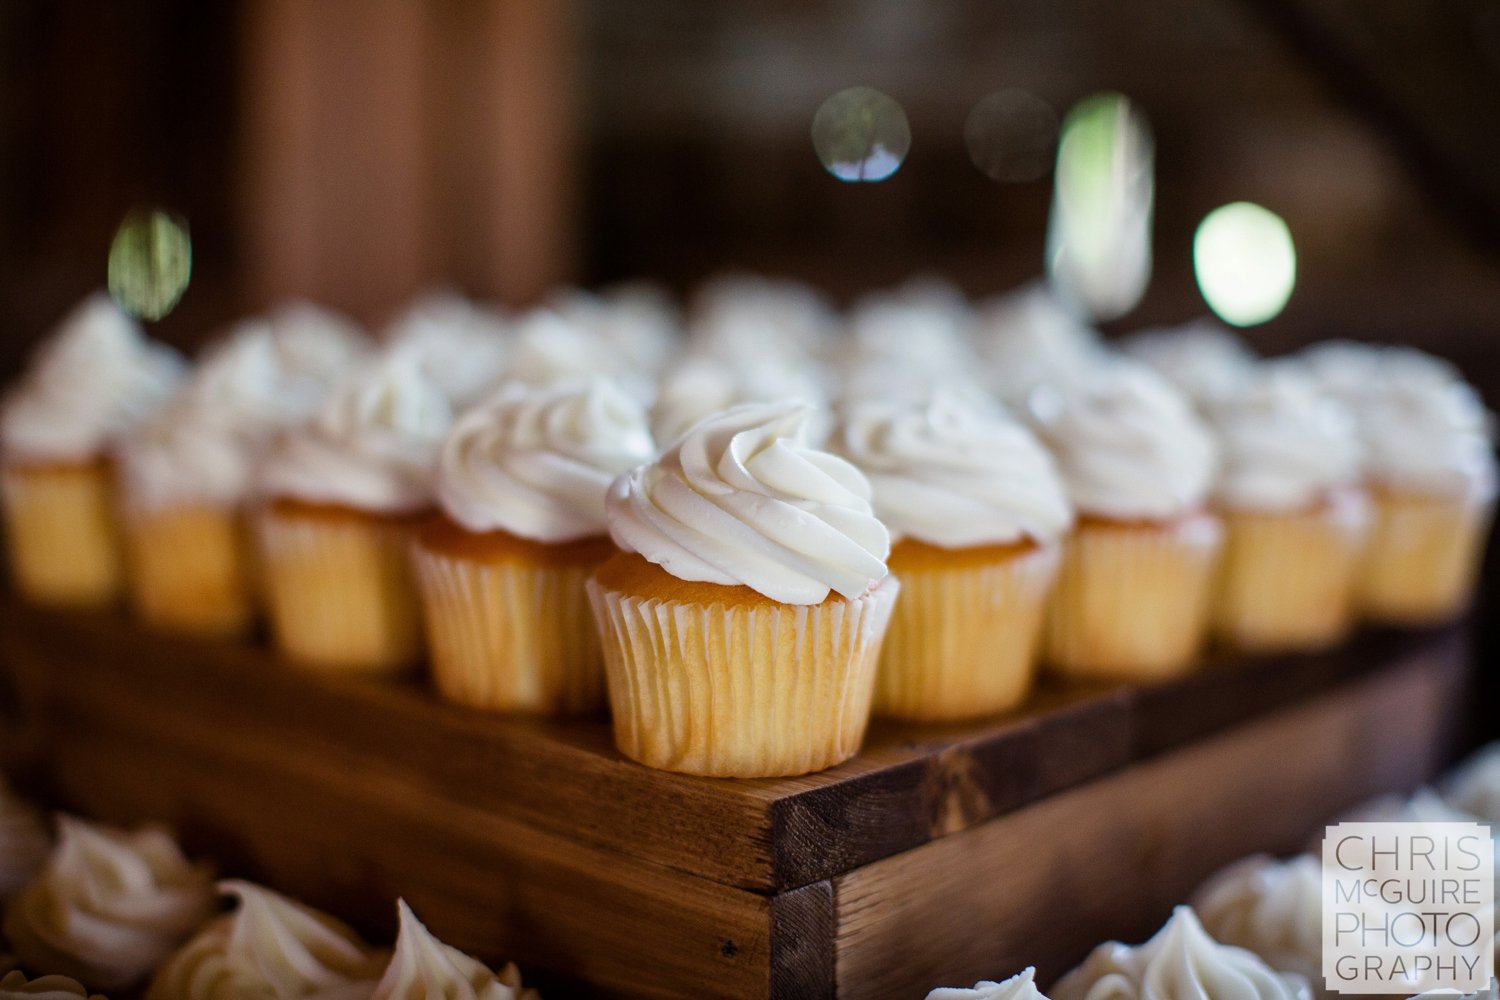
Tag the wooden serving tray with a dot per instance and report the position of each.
(940, 855)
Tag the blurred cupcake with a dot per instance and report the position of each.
(341, 497)
(95, 377)
(1295, 513)
(1028, 338)
(460, 345)
(24, 842)
(315, 348)
(1132, 598)
(742, 621)
(15, 986)
(521, 482)
(703, 384)
(1021, 986)
(976, 511)
(1273, 908)
(637, 321)
(1180, 963)
(1202, 358)
(269, 948)
(109, 905)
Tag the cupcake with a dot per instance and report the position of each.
(24, 842)
(1028, 338)
(315, 348)
(108, 906)
(1021, 986)
(424, 967)
(461, 346)
(1273, 908)
(1132, 597)
(636, 321)
(1294, 511)
(15, 986)
(1431, 472)
(741, 622)
(704, 384)
(1180, 963)
(1474, 787)
(94, 378)
(340, 497)
(976, 512)
(521, 485)
(1203, 358)
(269, 948)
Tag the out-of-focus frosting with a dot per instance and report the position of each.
(1474, 786)
(1180, 963)
(537, 462)
(461, 346)
(317, 348)
(1128, 444)
(1284, 443)
(423, 968)
(15, 986)
(744, 317)
(1021, 986)
(1203, 358)
(1273, 908)
(953, 476)
(24, 842)
(742, 499)
(636, 321)
(549, 347)
(373, 447)
(1491, 993)
(703, 384)
(93, 378)
(109, 905)
(1028, 338)
(1425, 432)
(269, 948)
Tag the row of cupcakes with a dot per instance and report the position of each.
(125, 912)
(1117, 510)
(1254, 930)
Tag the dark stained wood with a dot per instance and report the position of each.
(802, 928)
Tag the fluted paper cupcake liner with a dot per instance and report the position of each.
(189, 569)
(1132, 600)
(339, 592)
(963, 639)
(1287, 580)
(1422, 560)
(510, 635)
(741, 690)
(62, 535)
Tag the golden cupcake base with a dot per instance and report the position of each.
(508, 622)
(721, 681)
(190, 569)
(1422, 561)
(62, 533)
(338, 586)
(964, 636)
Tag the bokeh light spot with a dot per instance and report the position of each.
(861, 134)
(150, 263)
(1011, 136)
(1245, 261)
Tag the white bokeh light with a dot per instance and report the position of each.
(1245, 262)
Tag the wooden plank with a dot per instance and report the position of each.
(1109, 858)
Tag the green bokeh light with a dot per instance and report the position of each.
(1246, 262)
(150, 263)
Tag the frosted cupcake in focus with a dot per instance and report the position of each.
(270, 947)
(742, 621)
(94, 378)
(521, 484)
(1182, 962)
(341, 496)
(1203, 358)
(1295, 512)
(1132, 598)
(977, 512)
(108, 906)
(1021, 986)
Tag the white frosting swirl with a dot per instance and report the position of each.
(94, 377)
(1426, 430)
(24, 842)
(1028, 339)
(316, 348)
(460, 346)
(109, 905)
(1021, 986)
(742, 499)
(1284, 443)
(373, 447)
(953, 476)
(1474, 786)
(423, 967)
(1128, 445)
(15, 986)
(1273, 908)
(1202, 358)
(269, 948)
(1180, 963)
(537, 462)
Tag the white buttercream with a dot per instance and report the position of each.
(704, 384)
(537, 462)
(742, 499)
(92, 379)
(1273, 908)
(952, 475)
(15, 986)
(424, 968)
(1028, 339)
(1202, 358)
(460, 345)
(1021, 986)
